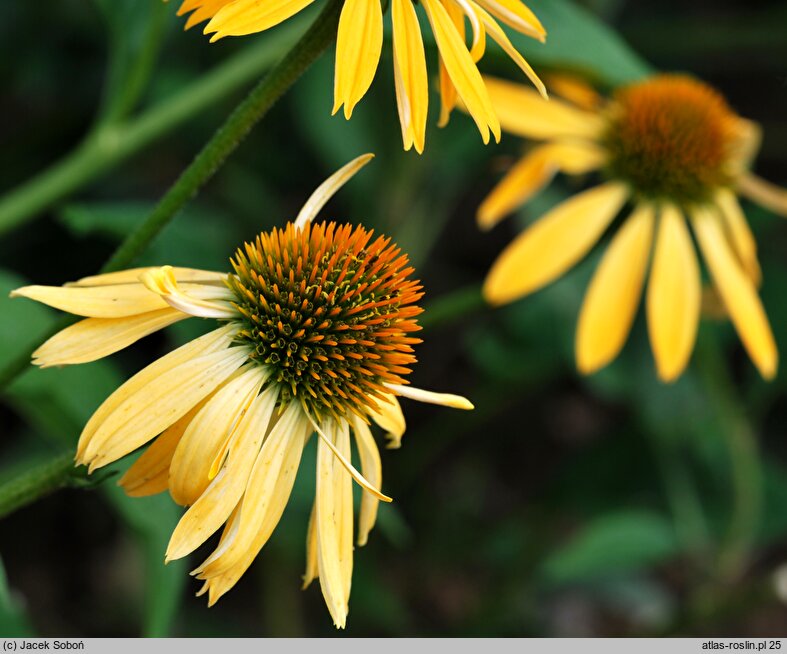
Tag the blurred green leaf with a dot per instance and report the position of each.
(151, 520)
(13, 621)
(614, 544)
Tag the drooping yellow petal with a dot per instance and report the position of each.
(447, 89)
(215, 341)
(410, 77)
(462, 70)
(250, 16)
(329, 554)
(674, 296)
(740, 234)
(117, 301)
(194, 299)
(770, 196)
(430, 397)
(613, 296)
(267, 492)
(202, 10)
(343, 496)
(218, 501)
(149, 474)
(556, 242)
(372, 469)
(328, 188)
(312, 563)
(524, 112)
(93, 338)
(132, 275)
(738, 292)
(358, 46)
(389, 416)
(153, 408)
(517, 15)
(208, 434)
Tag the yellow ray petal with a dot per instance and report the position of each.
(343, 496)
(131, 276)
(517, 15)
(462, 70)
(159, 404)
(193, 299)
(116, 301)
(328, 188)
(372, 469)
(208, 433)
(218, 339)
(358, 47)
(249, 16)
(478, 45)
(202, 10)
(328, 550)
(312, 564)
(613, 296)
(556, 242)
(429, 397)
(524, 112)
(770, 196)
(575, 90)
(412, 88)
(93, 338)
(389, 416)
(737, 291)
(267, 492)
(218, 501)
(150, 473)
(740, 234)
(447, 88)
(674, 296)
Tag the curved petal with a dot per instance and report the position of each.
(517, 15)
(738, 293)
(372, 469)
(412, 89)
(613, 296)
(524, 112)
(195, 300)
(132, 275)
(249, 16)
(389, 417)
(770, 196)
(462, 70)
(429, 397)
(447, 89)
(94, 338)
(553, 244)
(740, 234)
(674, 296)
(358, 46)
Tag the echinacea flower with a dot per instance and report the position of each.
(315, 336)
(360, 40)
(673, 148)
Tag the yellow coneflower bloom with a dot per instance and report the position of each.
(316, 336)
(671, 146)
(360, 40)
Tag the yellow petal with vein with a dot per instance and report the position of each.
(737, 291)
(674, 296)
(115, 301)
(358, 47)
(613, 296)
(372, 469)
(447, 88)
(412, 88)
(312, 564)
(250, 16)
(93, 338)
(556, 242)
(517, 15)
(132, 275)
(740, 234)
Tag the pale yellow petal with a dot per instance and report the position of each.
(328, 550)
(556, 242)
(372, 469)
(93, 338)
(215, 341)
(115, 301)
(770, 196)
(524, 112)
(389, 416)
(674, 296)
(740, 234)
(429, 397)
(312, 564)
(462, 70)
(249, 16)
(218, 501)
(613, 296)
(412, 88)
(738, 293)
(131, 276)
(358, 46)
(343, 495)
(328, 188)
(208, 434)
(159, 404)
(208, 301)
(574, 89)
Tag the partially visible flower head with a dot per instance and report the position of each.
(314, 338)
(673, 147)
(359, 45)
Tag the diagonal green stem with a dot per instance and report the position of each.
(37, 482)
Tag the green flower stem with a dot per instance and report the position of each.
(112, 143)
(37, 482)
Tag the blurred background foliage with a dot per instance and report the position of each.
(563, 506)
